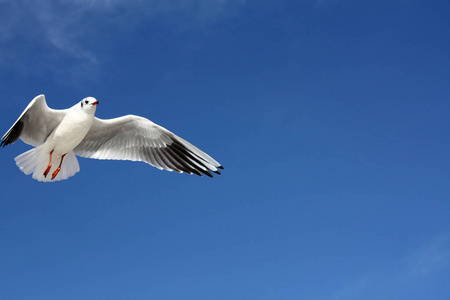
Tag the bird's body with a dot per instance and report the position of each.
(71, 131)
(60, 135)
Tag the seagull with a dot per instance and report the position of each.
(60, 135)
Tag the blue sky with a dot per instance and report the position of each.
(331, 119)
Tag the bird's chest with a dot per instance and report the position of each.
(70, 132)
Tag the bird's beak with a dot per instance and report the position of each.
(95, 102)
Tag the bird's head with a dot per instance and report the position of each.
(89, 104)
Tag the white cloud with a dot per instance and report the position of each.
(422, 264)
(60, 25)
(432, 258)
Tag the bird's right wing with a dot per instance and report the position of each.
(35, 124)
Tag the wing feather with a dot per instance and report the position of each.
(139, 139)
(35, 123)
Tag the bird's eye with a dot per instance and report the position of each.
(86, 102)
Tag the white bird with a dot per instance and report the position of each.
(59, 135)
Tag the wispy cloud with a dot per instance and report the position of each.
(59, 26)
(421, 264)
(432, 258)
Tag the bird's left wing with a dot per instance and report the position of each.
(139, 139)
(35, 123)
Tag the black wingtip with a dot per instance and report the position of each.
(196, 172)
(13, 134)
(6, 141)
(207, 173)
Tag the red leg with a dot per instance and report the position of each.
(49, 165)
(59, 167)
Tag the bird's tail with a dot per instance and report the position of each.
(36, 161)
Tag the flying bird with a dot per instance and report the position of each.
(60, 135)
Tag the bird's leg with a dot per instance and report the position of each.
(49, 165)
(59, 167)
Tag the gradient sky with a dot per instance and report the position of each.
(331, 119)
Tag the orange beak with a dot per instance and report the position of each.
(95, 103)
